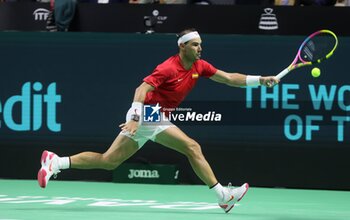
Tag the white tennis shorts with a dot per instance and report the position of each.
(146, 132)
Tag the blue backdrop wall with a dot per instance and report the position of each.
(68, 92)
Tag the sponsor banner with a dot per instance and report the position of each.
(30, 110)
(146, 173)
(157, 18)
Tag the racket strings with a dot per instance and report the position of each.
(317, 47)
(309, 50)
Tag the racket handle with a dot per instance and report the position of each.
(282, 73)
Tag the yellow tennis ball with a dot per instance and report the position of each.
(315, 72)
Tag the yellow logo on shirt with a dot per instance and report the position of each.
(195, 75)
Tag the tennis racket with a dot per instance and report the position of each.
(316, 48)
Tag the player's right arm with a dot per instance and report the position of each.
(141, 92)
(239, 79)
(135, 112)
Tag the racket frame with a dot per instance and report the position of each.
(295, 64)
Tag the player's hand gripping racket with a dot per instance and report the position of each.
(317, 47)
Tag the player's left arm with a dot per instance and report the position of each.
(240, 80)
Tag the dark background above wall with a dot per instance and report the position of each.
(214, 19)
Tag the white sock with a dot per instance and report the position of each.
(63, 163)
(219, 191)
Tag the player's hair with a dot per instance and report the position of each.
(186, 31)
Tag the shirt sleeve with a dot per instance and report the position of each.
(157, 77)
(207, 70)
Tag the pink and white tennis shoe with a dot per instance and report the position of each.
(49, 167)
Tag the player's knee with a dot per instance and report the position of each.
(193, 150)
(110, 163)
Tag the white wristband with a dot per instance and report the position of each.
(137, 105)
(135, 112)
(136, 108)
(253, 80)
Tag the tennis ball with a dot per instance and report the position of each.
(315, 72)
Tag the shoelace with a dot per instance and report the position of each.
(229, 186)
(55, 174)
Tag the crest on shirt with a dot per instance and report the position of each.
(195, 75)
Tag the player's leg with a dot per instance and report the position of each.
(176, 139)
(120, 150)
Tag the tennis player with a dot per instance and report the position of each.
(167, 85)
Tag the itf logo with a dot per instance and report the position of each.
(41, 14)
(151, 113)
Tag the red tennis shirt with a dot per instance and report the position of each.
(172, 82)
